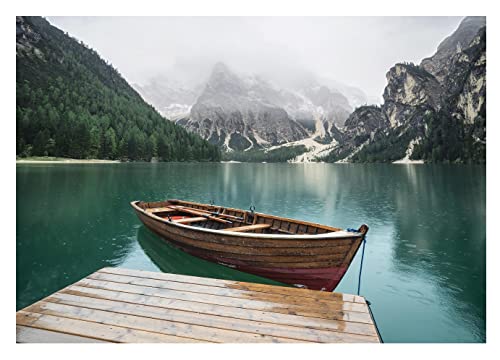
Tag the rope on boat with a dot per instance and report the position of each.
(362, 258)
(361, 265)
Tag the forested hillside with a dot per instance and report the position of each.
(71, 103)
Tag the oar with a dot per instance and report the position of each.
(194, 212)
(237, 218)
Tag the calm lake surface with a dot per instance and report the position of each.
(425, 261)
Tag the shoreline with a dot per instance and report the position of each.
(408, 161)
(65, 161)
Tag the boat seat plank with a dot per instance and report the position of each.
(190, 220)
(248, 228)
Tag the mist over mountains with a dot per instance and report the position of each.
(241, 111)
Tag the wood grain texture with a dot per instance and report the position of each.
(190, 220)
(121, 305)
(321, 311)
(248, 228)
(226, 292)
(186, 279)
(26, 334)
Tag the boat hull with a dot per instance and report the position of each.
(317, 264)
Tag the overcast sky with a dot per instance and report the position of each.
(357, 51)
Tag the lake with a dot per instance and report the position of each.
(424, 270)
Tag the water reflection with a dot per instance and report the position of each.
(442, 237)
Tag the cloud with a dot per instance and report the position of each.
(354, 50)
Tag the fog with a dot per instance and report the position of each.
(357, 51)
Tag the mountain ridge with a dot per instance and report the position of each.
(426, 117)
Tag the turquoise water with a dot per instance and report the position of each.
(424, 270)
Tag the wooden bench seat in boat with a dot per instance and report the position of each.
(248, 227)
(190, 220)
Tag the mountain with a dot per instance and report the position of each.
(438, 64)
(250, 112)
(240, 113)
(435, 111)
(71, 103)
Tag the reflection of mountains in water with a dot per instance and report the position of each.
(172, 260)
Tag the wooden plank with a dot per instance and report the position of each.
(93, 330)
(119, 305)
(203, 333)
(321, 312)
(214, 321)
(26, 334)
(295, 265)
(337, 321)
(190, 220)
(273, 289)
(194, 212)
(245, 250)
(284, 303)
(271, 259)
(221, 291)
(247, 228)
(215, 213)
(161, 209)
(248, 249)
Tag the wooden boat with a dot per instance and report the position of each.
(295, 252)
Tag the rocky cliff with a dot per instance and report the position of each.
(241, 113)
(435, 111)
(439, 63)
(248, 112)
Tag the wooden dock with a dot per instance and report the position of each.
(129, 306)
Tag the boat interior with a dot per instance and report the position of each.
(229, 219)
